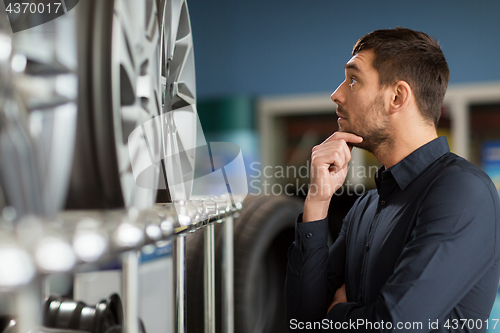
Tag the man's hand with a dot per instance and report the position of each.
(339, 297)
(328, 172)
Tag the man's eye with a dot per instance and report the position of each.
(353, 81)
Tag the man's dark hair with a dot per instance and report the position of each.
(414, 57)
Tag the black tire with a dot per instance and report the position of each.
(263, 234)
(89, 189)
(95, 178)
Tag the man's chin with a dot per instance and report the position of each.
(352, 132)
(357, 145)
(365, 145)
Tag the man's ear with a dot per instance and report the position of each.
(401, 96)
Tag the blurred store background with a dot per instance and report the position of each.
(266, 69)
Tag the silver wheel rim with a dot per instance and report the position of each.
(135, 70)
(155, 121)
(179, 99)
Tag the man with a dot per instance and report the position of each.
(421, 252)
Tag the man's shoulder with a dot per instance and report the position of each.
(460, 180)
(456, 170)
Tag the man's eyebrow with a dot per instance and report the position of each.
(351, 65)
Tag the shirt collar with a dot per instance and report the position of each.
(406, 170)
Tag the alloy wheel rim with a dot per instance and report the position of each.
(179, 99)
(155, 119)
(135, 70)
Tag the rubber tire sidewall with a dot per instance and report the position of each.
(256, 231)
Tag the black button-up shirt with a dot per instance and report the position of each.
(422, 249)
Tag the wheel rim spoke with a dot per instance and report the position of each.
(153, 67)
(173, 163)
(173, 16)
(179, 99)
(185, 122)
(137, 30)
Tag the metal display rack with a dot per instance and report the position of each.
(58, 248)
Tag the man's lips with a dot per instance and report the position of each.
(340, 115)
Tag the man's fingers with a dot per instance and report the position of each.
(338, 161)
(334, 168)
(347, 152)
(347, 137)
(335, 153)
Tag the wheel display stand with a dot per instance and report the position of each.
(124, 234)
(98, 123)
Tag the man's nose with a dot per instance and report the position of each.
(338, 96)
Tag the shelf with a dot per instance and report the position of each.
(34, 246)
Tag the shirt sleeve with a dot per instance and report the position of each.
(452, 246)
(312, 275)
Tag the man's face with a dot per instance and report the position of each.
(361, 106)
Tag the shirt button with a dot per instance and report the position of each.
(298, 274)
(309, 235)
(367, 247)
(382, 202)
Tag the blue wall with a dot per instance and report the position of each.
(268, 47)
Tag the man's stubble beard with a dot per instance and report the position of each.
(374, 137)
